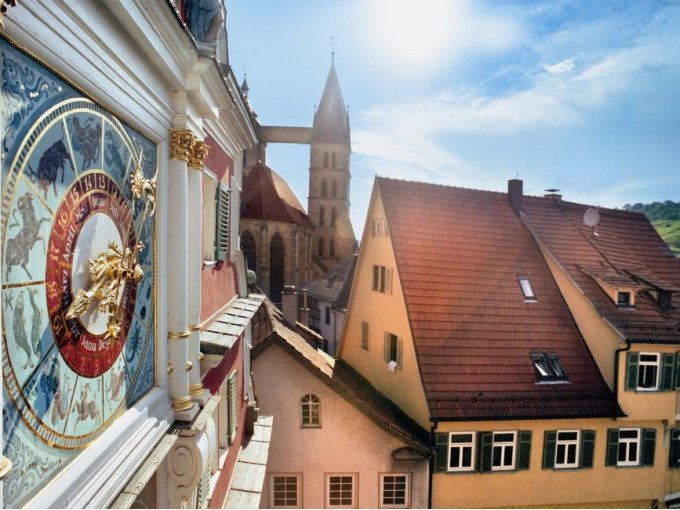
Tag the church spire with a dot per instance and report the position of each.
(331, 121)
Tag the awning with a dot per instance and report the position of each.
(220, 335)
(248, 480)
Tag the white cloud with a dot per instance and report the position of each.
(561, 67)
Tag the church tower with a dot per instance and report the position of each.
(329, 177)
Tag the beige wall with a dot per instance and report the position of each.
(384, 313)
(346, 442)
(596, 487)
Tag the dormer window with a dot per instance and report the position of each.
(527, 289)
(623, 298)
(548, 367)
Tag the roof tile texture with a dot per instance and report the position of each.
(459, 254)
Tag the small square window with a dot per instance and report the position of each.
(527, 288)
(394, 490)
(285, 491)
(341, 491)
(623, 298)
(461, 451)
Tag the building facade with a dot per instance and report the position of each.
(459, 316)
(122, 135)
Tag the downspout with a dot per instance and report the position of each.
(616, 369)
(433, 428)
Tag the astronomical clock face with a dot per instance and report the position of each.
(78, 253)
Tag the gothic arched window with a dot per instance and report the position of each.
(249, 249)
(322, 216)
(331, 248)
(324, 188)
(334, 160)
(325, 160)
(320, 247)
(276, 275)
(334, 189)
(334, 215)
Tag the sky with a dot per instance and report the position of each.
(581, 96)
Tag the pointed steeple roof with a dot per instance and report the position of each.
(331, 121)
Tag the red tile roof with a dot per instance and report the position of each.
(626, 248)
(459, 254)
(267, 196)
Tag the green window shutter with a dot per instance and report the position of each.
(524, 455)
(667, 371)
(232, 391)
(376, 277)
(648, 446)
(677, 371)
(400, 353)
(485, 451)
(441, 453)
(221, 222)
(674, 454)
(387, 347)
(612, 447)
(587, 448)
(632, 371)
(549, 445)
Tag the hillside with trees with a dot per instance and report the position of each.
(665, 216)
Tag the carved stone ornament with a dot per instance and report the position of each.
(181, 143)
(199, 151)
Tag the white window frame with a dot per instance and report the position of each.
(407, 490)
(472, 445)
(566, 445)
(504, 445)
(272, 493)
(527, 289)
(329, 477)
(644, 366)
(307, 400)
(625, 443)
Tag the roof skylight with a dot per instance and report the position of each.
(527, 288)
(548, 367)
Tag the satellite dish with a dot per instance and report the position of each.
(591, 217)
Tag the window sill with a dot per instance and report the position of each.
(208, 263)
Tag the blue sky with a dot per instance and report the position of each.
(579, 96)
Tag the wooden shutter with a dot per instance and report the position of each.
(612, 447)
(524, 453)
(587, 448)
(632, 371)
(221, 222)
(400, 353)
(441, 453)
(674, 454)
(387, 347)
(549, 445)
(376, 277)
(233, 405)
(364, 335)
(388, 280)
(485, 451)
(677, 371)
(667, 371)
(648, 446)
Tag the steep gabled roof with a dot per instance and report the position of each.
(342, 378)
(267, 196)
(333, 286)
(331, 121)
(459, 253)
(624, 249)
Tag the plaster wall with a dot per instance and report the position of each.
(383, 313)
(347, 441)
(597, 487)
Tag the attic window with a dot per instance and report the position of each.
(548, 367)
(623, 298)
(527, 289)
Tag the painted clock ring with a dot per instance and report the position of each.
(93, 203)
(77, 277)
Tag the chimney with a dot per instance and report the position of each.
(289, 305)
(553, 193)
(515, 196)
